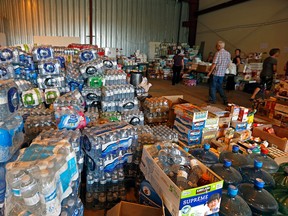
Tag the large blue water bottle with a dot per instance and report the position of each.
(250, 173)
(234, 156)
(204, 155)
(260, 201)
(268, 163)
(228, 173)
(232, 204)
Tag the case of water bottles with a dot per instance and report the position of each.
(49, 67)
(9, 55)
(91, 68)
(87, 55)
(6, 71)
(181, 201)
(42, 53)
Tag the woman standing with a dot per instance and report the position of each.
(177, 66)
(230, 84)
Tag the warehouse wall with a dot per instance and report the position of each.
(127, 24)
(253, 26)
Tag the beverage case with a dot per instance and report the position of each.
(49, 81)
(92, 68)
(9, 55)
(6, 71)
(42, 53)
(49, 67)
(32, 97)
(87, 55)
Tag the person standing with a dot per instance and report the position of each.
(230, 82)
(219, 66)
(177, 66)
(268, 70)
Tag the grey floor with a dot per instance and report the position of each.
(197, 95)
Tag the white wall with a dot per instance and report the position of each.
(253, 26)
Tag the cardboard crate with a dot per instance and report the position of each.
(187, 202)
(132, 209)
(203, 68)
(278, 139)
(191, 111)
(281, 108)
(212, 121)
(239, 126)
(172, 101)
(208, 135)
(187, 138)
(224, 119)
(189, 124)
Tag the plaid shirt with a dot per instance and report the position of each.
(222, 60)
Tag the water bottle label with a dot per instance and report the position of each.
(182, 173)
(16, 192)
(32, 200)
(72, 165)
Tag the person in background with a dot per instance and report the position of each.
(210, 57)
(177, 66)
(268, 70)
(230, 82)
(219, 66)
(286, 70)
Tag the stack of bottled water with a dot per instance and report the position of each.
(114, 77)
(35, 111)
(74, 78)
(41, 178)
(93, 114)
(111, 116)
(134, 117)
(6, 71)
(32, 97)
(163, 132)
(156, 110)
(118, 92)
(92, 96)
(108, 149)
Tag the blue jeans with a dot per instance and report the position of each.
(216, 85)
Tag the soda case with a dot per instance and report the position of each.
(91, 95)
(41, 177)
(32, 97)
(49, 67)
(42, 53)
(114, 77)
(134, 117)
(87, 55)
(34, 124)
(91, 68)
(9, 98)
(9, 55)
(118, 92)
(11, 136)
(6, 71)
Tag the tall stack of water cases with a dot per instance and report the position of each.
(108, 148)
(11, 124)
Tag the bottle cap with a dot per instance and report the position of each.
(232, 191)
(235, 148)
(258, 164)
(158, 147)
(206, 146)
(264, 151)
(259, 183)
(186, 149)
(205, 176)
(227, 163)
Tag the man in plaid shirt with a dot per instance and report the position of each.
(219, 66)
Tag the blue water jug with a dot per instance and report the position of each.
(234, 156)
(260, 201)
(204, 155)
(228, 173)
(232, 204)
(250, 173)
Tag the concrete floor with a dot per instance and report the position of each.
(197, 95)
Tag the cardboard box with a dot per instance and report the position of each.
(234, 111)
(281, 108)
(189, 137)
(132, 209)
(278, 139)
(203, 68)
(243, 114)
(187, 202)
(189, 124)
(191, 111)
(172, 101)
(212, 121)
(224, 119)
(239, 126)
(208, 135)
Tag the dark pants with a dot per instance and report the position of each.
(216, 85)
(176, 74)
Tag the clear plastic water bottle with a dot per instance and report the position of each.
(182, 177)
(250, 173)
(51, 204)
(228, 173)
(232, 204)
(234, 156)
(14, 177)
(260, 201)
(268, 163)
(30, 193)
(195, 173)
(204, 155)
(72, 207)
(102, 191)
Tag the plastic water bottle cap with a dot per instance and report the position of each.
(186, 149)
(258, 164)
(206, 146)
(232, 191)
(6, 138)
(235, 148)
(158, 147)
(227, 163)
(264, 151)
(259, 183)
